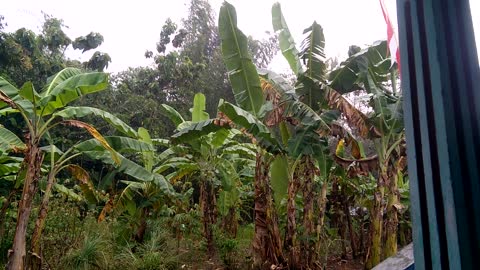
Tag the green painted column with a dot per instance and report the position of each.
(441, 84)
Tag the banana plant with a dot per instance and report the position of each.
(371, 70)
(41, 112)
(207, 150)
(140, 198)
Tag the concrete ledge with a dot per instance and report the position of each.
(403, 260)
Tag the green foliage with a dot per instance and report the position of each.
(9, 141)
(198, 110)
(280, 176)
(242, 72)
(287, 44)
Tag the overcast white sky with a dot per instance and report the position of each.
(131, 27)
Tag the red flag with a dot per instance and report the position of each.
(391, 37)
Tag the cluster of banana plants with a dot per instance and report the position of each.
(295, 126)
(34, 161)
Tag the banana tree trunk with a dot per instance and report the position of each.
(353, 238)
(33, 159)
(392, 216)
(267, 245)
(291, 233)
(208, 205)
(140, 234)
(230, 223)
(322, 204)
(374, 255)
(308, 246)
(35, 260)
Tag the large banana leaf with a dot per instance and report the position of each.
(279, 178)
(173, 114)
(218, 138)
(181, 171)
(306, 141)
(58, 78)
(241, 70)
(118, 143)
(8, 89)
(71, 89)
(129, 167)
(176, 163)
(388, 108)
(228, 175)
(198, 110)
(85, 184)
(90, 129)
(14, 101)
(67, 192)
(148, 158)
(308, 85)
(285, 38)
(282, 86)
(195, 131)
(9, 141)
(78, 112)
(251, 124)
(227, 200)
(352, 72)
(306, 116)
(9, 165)
(313, 54)
(28, 92)
(240, 150)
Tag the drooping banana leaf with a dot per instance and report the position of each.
(130, 168)
(355, 118)
(9, 90)
(195, 131)
(239, 150)
(251, 124)
(352, 72)
(307, 117)
(9, 166)
(172, 114)
(241, 70)
(282, 86)
(9, 141)
(67, 192)
(305, 141)
(85, 184)
(78, 112)
(174, 163)
(120, 144)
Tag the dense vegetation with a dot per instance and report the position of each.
(204, 159)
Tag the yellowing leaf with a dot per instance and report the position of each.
(96, 135)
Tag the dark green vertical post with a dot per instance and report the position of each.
(440, 79)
